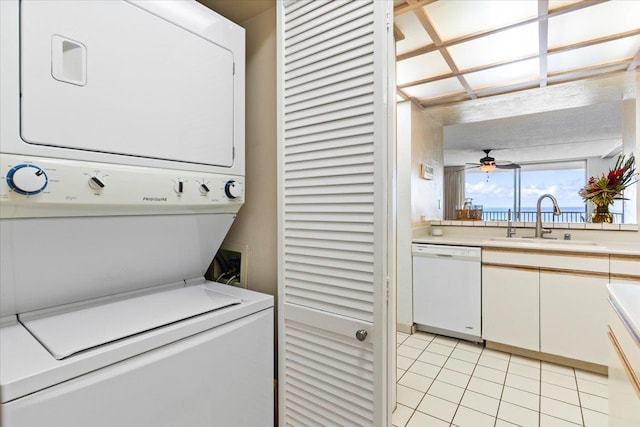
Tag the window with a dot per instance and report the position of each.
(519, 190)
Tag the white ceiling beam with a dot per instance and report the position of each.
(553, 78)
(573, 94)
(615, 150)
(410, 7)
(543, 39)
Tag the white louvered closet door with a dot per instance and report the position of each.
(333, 132)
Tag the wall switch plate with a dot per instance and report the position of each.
(426, 171)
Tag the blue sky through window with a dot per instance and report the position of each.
(495, 189)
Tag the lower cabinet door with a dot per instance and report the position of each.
(573, 316)
(510, 306)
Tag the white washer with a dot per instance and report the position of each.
(122, 169)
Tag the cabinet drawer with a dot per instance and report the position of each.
(568, 261)
(625, 267)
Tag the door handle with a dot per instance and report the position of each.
(361, 334)
(68, 61)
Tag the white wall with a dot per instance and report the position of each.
(404, 285)
(427, 146)
(256, 223)
(596, 166)
(631, 144)
(419, 140)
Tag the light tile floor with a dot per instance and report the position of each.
(447, 382)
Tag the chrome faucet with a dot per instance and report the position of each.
(540, 232)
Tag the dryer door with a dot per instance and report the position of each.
(108, 76)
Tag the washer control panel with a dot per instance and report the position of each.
(40, 187)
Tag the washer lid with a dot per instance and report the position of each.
(65, 334)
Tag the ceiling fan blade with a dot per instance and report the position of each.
(468, 167)
(509, 166)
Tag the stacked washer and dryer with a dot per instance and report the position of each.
(122, 169)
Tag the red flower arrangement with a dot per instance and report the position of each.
(602, 191)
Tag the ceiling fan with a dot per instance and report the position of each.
(488, 163)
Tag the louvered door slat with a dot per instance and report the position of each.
(330, 235)
(332, 116)
(325, 109)
(305, 101)
(343, 123)
(344, 283)
(347, 168)
(300, 13)
(332, 224)
(304, 399)
(329, 179)
(338, 279)
(310, 69)
(324, 17)
(337, 193)
(351, 34)
(335, 245)
(331, 135)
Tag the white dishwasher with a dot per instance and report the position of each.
(447, 290)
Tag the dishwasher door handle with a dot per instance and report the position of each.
(445, 255)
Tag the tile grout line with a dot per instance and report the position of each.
(434, 380)
(575, 377)
(504, 384)
(465, 387)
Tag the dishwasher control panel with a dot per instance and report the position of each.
(446, 251)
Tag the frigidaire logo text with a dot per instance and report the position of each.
(154, 199)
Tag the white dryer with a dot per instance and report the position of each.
(121, 171)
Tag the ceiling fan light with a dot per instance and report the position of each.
(487, 167)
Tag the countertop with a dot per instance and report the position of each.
(626, 299)
(603, 247)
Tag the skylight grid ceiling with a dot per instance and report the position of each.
(455, 50)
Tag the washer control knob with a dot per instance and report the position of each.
(27, 179)
(232, 190)
(96, 183)
(179, 187)
(204, 189)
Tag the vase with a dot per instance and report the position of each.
(602, 215)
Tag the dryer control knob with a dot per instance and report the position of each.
(204, 189)
(179, 187)
(96, 183)
(232, 190)
(27, 179)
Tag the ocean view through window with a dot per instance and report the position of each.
(519, 190)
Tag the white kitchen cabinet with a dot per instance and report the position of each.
(625, 268)
(573, 315)
(624, 356)
(551, 302)
(510, 306)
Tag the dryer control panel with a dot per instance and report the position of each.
(47, 187)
